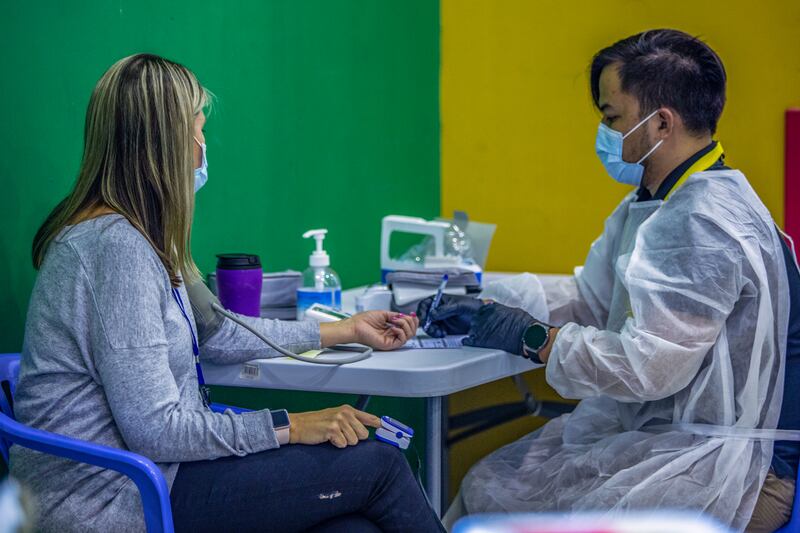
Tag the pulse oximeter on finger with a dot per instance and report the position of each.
(394, 433)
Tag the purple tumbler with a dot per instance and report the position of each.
(239, 279)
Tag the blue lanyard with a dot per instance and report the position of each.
(205, 392)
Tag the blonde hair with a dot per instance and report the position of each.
(138, 158)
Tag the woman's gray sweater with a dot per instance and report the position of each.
(107, 358)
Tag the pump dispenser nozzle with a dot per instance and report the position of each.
(319, 257)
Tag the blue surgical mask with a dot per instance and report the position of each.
(608, 146)
(201, 174)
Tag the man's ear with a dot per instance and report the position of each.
(667, 121)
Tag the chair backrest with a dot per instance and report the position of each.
(793, 525)
(144, 473)
(9, 373)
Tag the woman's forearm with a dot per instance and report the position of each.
(232, 343)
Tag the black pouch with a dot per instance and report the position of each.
(426, 282)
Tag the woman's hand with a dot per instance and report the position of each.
(382, 330)
(341, 426)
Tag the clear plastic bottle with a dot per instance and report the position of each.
(321, 284)
(456, 243)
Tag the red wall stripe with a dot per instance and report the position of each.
(791, 198)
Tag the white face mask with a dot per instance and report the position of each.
(201, 174)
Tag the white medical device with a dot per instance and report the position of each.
(394, 433)
(436, 229)
(325, 313)
(374, 297)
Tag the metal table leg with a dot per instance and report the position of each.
(445, 475)
(433, 451)
(362, 402)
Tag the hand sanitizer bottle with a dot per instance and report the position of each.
(320, 283)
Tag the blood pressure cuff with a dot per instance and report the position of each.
(207, 320)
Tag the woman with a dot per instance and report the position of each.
(108, 352)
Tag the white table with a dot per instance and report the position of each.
(429, 374)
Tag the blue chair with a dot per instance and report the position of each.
(793, 525)
(148, 478)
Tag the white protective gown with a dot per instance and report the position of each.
(673, 337)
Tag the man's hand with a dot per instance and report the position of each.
(341, 426)
(452, 316)
(499, 326)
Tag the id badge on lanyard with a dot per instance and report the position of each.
(205, 391)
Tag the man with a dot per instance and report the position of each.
(674, 333)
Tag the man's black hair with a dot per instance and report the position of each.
(668, 68)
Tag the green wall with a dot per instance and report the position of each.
(327, 116)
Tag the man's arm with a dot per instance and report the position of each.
(679, 307)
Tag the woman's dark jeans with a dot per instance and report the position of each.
(367, 487)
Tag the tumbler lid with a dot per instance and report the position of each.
(238, 261)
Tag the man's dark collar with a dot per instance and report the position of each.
(643, 195)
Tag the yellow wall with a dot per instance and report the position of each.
(518, 127)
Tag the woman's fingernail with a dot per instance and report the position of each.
(413, 313)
